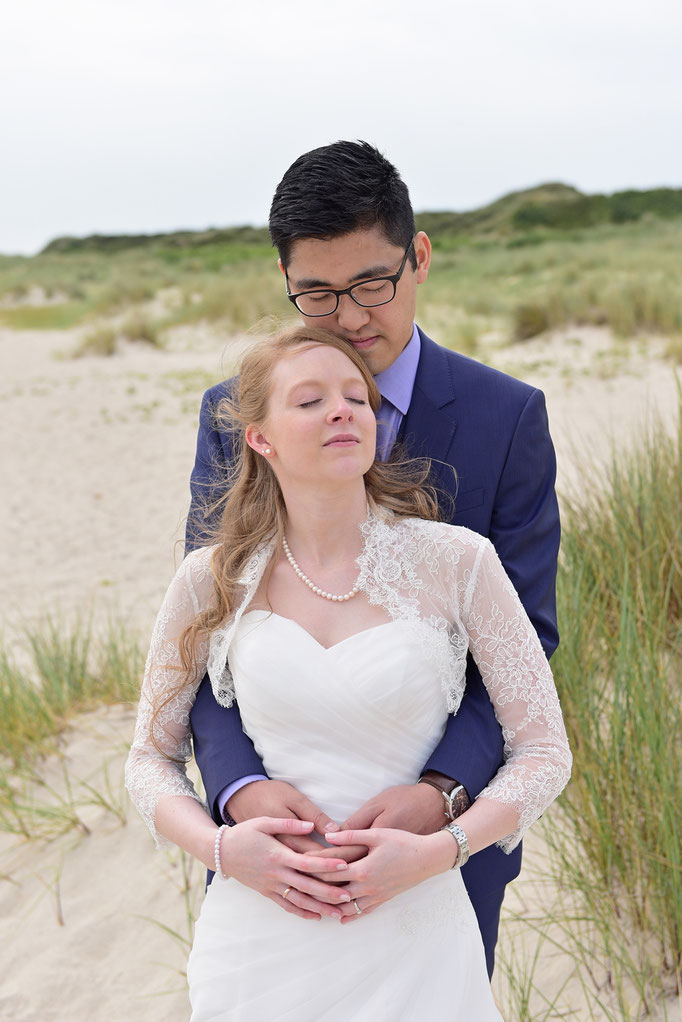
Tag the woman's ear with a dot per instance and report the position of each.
(257, 440)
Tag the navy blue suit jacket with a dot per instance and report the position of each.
(493, 430)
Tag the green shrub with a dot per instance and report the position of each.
(529, 319)
(140, 328)
(99, 341)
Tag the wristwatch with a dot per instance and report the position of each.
(454, 794)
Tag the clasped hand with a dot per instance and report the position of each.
(376, 854)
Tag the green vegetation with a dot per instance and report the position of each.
(532, 261)
(618, 846)
(624, 277)
(69, 673)
(589, 210)
(101, 340)
(187, 240)
(57, 316)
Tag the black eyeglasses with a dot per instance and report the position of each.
(368, 293)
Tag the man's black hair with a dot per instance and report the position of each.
(336, 189)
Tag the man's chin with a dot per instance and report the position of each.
(374, 355)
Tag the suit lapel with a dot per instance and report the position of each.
(429, 427)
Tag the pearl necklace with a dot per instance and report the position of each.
(311, 585)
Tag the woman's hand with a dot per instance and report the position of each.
(253, 855)
(396, 860)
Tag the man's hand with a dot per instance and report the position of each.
(279, 800)
(417, 808)
(282, 801)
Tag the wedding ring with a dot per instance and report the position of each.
(286, 893)
(357, 907)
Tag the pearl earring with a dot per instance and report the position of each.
(267, 451)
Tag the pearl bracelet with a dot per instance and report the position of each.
(216, 851)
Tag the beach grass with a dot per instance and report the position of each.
(617, 848)
(103, 339)
(64, 670)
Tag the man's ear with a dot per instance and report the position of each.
(422, 250)
(257, 440)
(281, 266)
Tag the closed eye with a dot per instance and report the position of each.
(316, 400)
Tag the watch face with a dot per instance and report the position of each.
(459, 801)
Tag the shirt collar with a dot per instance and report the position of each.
(397, 382)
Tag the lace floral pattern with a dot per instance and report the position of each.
(161, 747)
(448, 587)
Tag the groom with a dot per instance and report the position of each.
(352, 261)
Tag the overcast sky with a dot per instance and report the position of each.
(151, 115)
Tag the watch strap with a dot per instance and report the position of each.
(454, 794)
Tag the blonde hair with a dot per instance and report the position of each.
(252, 510)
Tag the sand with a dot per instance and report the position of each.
(96, 458)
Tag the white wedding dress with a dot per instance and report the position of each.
(342, 724)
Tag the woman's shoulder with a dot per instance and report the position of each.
(198, 564)
(198, 561)
(417, 540)
(442, 532)
(194, 575)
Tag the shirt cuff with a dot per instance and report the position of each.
(227, 792)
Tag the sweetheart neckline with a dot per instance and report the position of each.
(282, 617)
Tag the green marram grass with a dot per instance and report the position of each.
(68, 671)
(618, 847)
(65, 671)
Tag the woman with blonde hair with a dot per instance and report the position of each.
(338, 611)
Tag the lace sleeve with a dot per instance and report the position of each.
(156, 762)
(519, 681)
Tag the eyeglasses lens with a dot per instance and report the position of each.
(323, 303)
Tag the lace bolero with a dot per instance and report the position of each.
(448, 586)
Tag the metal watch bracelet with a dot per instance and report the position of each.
(462, 844)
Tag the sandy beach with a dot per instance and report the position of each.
(96, 458)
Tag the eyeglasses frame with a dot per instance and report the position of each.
(393, 279)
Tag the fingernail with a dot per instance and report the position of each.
(345, 897)
(331, 828)
(336, 915)
(342, 865)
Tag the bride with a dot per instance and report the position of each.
(338, 612)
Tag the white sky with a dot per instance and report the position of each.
(150, 115)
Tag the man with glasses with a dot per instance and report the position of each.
(352, 260)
